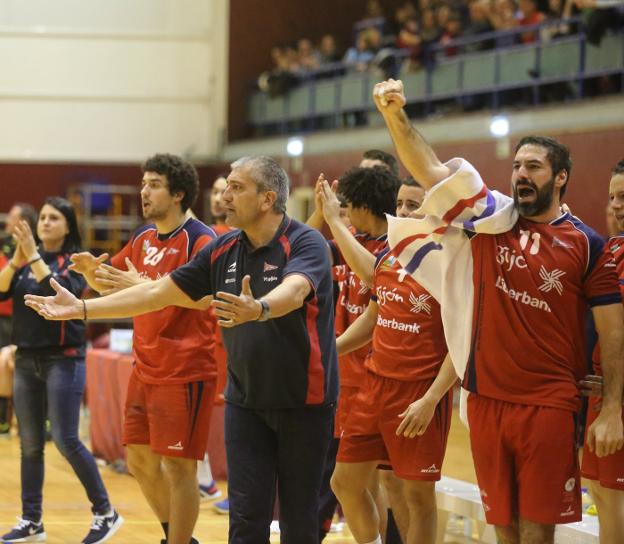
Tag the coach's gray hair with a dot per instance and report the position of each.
(268, 176)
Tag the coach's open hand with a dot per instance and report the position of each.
(234, 310)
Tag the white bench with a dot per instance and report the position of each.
(463, 499)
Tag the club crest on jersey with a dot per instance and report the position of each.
(551, 280)
(268, 267)
(145, 246)
(419, 303)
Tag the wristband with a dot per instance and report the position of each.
(84, 310)
(34, 260)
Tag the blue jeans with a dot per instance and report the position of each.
(268, 446)
(52, 387)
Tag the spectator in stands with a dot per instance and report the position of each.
(478, 23)
(50, 370)
(359, 58)
(408, 35)
(308, 57)
(529, 16)
(502, 16)
(452, 30)
(557, 10)
(429, 33)
(281, 78)
(328, 50)
(373, 19)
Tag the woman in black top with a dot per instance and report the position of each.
(50, 370)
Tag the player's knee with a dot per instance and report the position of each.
(140, 464)
(534, 533)
(420, 495)
(178, 469)
(392, 483)
(340, 483)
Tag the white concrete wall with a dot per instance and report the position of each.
(112, 80)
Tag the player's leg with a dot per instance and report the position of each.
(420, 499)
(396, 499)
(351, 482)
(610, 505)
(181, 474)
(146, 467)
(536, 533)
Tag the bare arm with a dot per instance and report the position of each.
(606, 434)
(359, 332)
(419, 413)
(137, 300)
(415, 153)
(316, 220)
(359, 259)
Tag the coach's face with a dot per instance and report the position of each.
(243, 203)
(533, 184)
(616, 196)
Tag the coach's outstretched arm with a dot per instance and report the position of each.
(137, 300)
(415, 153)
(606, 433)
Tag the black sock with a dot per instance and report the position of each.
(194, 541)
(165, 526)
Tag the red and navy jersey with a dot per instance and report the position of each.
(408, 339)
(615, 246)
(285, 362)
(31, 332)
(353, 297)
(172, 345)
(532, 288)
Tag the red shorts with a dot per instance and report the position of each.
(173, 419)
(370, 429)
(526, 461)
(345, 400)
(609, 470)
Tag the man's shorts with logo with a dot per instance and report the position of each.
(370, 429)
(173, 419)
(526, 461)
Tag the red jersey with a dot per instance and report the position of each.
(172, 345)
(353, 297)
(408, 340)
(221, 228)
(532, 288)
(615, 247)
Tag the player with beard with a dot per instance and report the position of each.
(514, 278)
(606, 474)
(172, 386)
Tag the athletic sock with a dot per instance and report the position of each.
(376, 541)
(165, 526)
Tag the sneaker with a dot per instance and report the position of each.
(193, 541)
(209, 492)
(102, 528)
(222, 507)
(25, 531)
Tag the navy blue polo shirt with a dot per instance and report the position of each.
(288, 361)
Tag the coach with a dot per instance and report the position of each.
(270, 284)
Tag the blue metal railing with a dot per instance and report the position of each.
(325, 95)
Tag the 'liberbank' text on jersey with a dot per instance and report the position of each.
(285, 362)
(522, 287)
(172, 345)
